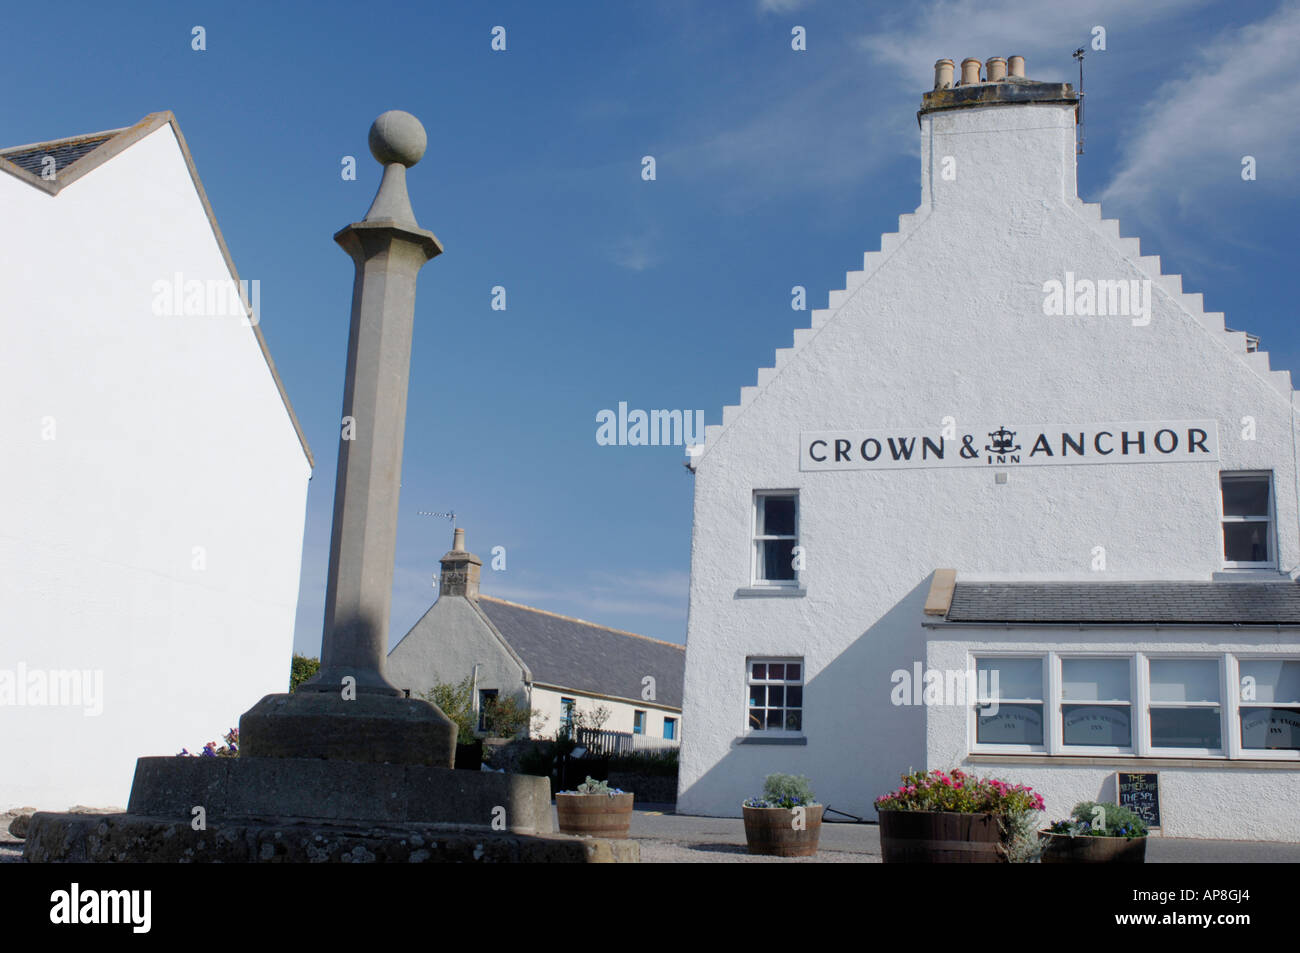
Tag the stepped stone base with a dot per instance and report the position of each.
(343, 791)
(309, 810)
(131, 838)
(371, 728)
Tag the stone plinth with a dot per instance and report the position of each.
(312, 789)
(131, 838)
(368, 728)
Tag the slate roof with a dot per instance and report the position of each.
(1197, 603)
(64, 151)
(586, 657)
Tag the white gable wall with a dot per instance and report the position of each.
(171, 434)
(948, 321)
(445, 645)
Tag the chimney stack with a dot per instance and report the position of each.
(995, 69)
(970, 71)
(943, 74)
(1016, 65)
(460, 570)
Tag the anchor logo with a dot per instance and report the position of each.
(1002, 441)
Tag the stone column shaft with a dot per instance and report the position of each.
(364, 535)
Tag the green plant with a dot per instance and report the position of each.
(784, 790)
(592, 786)
(1020, 841)
(456, 702)
(509, 717)
(1100, 819)
(302, 668)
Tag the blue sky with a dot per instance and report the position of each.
(774, 168)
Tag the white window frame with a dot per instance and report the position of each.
(1270, 520)
(1145, 659)
(1059, 700)
(571, 713)
(802, 683)
(1234, 681)
(972, 707)
(483, 695)
(756, 541)
(1230, 706)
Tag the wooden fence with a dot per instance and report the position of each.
(605, 743)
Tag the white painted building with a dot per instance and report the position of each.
(1116, 493)
(562, 668)
(153, 493)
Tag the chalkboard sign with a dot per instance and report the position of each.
(1140, 793)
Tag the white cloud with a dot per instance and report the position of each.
(1197, 127)
(835, 130)
(781, 6)
(1041, 32)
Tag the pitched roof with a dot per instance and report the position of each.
(1192, 603)
(585, 657)
(64, 152)
(76, 156)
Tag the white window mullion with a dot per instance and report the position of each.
(972, 710)
(1052, 714)
(1142, 700)
(1231, 706)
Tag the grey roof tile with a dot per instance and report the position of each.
(1198, 603)
(65, 152)
(587, 657)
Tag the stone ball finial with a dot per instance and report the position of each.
(397, 136)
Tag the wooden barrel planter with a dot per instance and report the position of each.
(595, 815)
(771, 831)
(940, 837)
(1064, 849)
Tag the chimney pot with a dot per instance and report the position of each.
(995, 69)
(460, 570)
(970, 71)
(1016, 66)
(943, 74)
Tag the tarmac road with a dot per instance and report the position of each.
(670, 838)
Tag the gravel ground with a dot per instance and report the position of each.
(667, 838)
(11, 848)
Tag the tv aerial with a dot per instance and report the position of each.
(1078, 147)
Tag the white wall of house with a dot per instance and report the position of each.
(156, 539)
(621, 713)
(946, 320)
